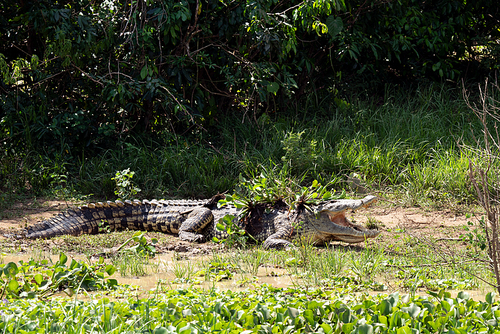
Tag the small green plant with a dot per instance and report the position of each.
(314, 194)
(125, 188)
(142, 247)
(367, 264)
(133, 261)
(251, 260)
(275, 188)
(300, 153)
(58, 184)
(183, 272)
(217, 270)
(267, 188)
(332, 262)
(235, 235)
(103, 226)
(42, 279)
(131, 264)
(475, 237)
(373, 223)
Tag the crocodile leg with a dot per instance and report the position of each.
(191, 228)
(281, 239)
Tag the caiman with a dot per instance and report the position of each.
(195, 221)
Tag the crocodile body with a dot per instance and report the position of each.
(196, 221)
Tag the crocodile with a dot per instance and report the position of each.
(196, 221)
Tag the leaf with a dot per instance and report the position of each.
(414, 310)
(403, 330)
(463, 295)
(446, 306)
(110, 269)
(38, 279)
(161, 330)
(62, 258)
(490, 297)
(365, 329)
(309, 316)
(347, 328)
(293, 312)
(10, 269)
(112, 282)
(385, 307)
(346, 316)
(144, 72)
(334, 25)
(13, 285)
(273, 87)
(326, 328)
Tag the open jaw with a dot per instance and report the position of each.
(347, 231)
(337, 227)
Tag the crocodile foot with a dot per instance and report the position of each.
(191, 237)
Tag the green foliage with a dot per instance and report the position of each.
(277, 188)
(300, 153)
(367, 264)
(133, 260)
(41, 279)
(184, 272)
(261, 310)
(475, 236)
(402, 145)
(77, 77)
(235, 235)
(143, 246)
(217, 271)
(314, 194)
(125, 188)
(131, 264)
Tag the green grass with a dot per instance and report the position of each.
(401, 264)
(131, 264)
(405, 146)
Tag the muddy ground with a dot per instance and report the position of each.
(394, 221)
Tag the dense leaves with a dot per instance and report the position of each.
(264, 310)
(90, 73)
(41, 279)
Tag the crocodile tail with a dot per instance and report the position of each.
(87, 219)
(71, 222)
(133, 215)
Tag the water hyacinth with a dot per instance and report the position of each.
(263, 310)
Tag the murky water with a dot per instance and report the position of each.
(163, 268)
(166, 272)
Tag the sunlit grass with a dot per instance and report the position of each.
(407, 146)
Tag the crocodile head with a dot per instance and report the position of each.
(330, 223)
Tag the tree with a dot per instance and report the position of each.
(90, 73)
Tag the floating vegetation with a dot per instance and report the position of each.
(262, 310)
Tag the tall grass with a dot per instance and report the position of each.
(405, 145)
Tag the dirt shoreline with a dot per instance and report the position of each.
(443, 225)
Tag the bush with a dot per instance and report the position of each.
(89, 74)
